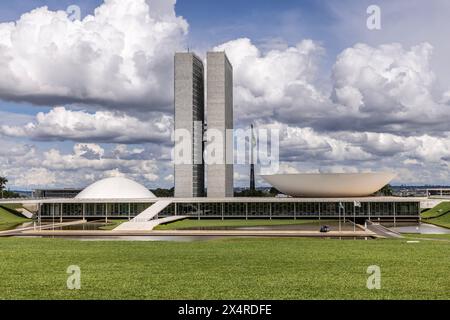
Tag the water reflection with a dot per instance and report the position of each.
(422, 228)
(177, 238)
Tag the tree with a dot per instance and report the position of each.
(386, 191)
(164, 193)
(3, 182)
(250, 193)
(274, 191)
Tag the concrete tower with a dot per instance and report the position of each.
(189, 116)
(252, 162)
(219, 115)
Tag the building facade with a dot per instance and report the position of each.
(219, 116)
(389, 208)
(55, 193)
(189, 118)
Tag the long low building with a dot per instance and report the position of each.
(367, 207)
(124, 198)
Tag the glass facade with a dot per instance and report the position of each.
(78, 210)
(236, 209)
(198, 110)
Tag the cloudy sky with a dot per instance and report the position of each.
(81, 99)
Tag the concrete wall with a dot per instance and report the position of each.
(189, 115)
(220, 117)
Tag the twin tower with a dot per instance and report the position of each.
(190, 114)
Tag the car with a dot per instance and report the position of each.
(325, 228)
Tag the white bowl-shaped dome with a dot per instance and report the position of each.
(115, 188)
(329, 184)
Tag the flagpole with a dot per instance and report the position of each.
(355, 204)
(340, 205)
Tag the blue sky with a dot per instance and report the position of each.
(352, 99)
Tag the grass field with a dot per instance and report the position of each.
(9, 219)
(427, 236)
(440, 209)
(442, 221)
(266, 268)
(190, 223)
(439, 215)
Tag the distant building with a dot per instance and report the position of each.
(55, 193)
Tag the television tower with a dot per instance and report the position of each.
(252, 164)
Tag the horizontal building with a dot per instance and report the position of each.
(55, 193)
(370, 207)
(124, 198)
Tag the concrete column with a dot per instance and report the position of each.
(246, 211)
(270, 210)
(39, 215)
(129, 211)
(295, 210)
(394, 214)
(246, 208)
(320, 207)
(53, 215)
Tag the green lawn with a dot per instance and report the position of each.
(9, 218)
(190, 223)
(427, 236)
(442, 221)
(266, 268)
(439, 215)
(440, 209)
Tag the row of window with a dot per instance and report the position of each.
(238, 209)
(93, 209)
(294, 209)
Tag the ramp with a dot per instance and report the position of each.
(147, 226)
(25, 213)
(382, 230)
(143, 221)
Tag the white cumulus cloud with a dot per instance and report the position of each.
(120, 56)
(387, 88)
(274, 84)
(101, 126)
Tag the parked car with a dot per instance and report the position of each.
(325, 228)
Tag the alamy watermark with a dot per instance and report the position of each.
(227, 146)
(374, 280)
(74, 279)
(373, 21)
(73, 12)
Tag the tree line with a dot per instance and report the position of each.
(6, 193)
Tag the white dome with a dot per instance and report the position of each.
(329, 184)
(115, 188)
